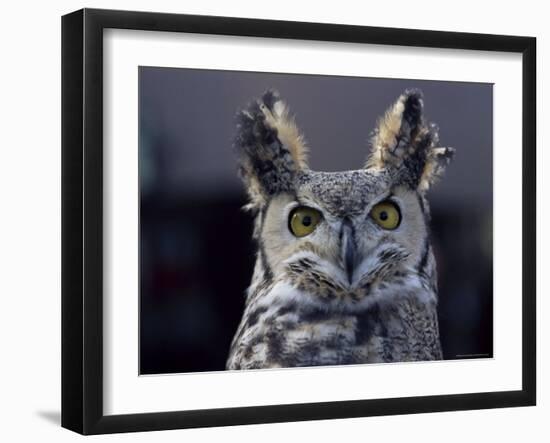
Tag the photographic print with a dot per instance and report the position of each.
(291, 220)
(253, 209)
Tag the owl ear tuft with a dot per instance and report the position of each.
(406, 143)
(270, 148)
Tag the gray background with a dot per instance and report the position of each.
(193, 235)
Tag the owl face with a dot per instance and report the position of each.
(342, 231)
(342, 236)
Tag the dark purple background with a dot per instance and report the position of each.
(196, 251)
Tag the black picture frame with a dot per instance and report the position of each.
(82, 220)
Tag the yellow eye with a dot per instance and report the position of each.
(386, 215)
(303, 220)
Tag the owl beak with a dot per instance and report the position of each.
(348, 248)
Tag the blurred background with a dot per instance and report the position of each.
(196, 253)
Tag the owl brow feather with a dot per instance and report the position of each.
(405, 143)
(270, 148)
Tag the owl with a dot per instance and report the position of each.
(344, 272)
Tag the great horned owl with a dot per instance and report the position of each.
(345, 272)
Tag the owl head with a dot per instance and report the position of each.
(342, 237)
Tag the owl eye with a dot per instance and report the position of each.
(303, 220)
(386, 215)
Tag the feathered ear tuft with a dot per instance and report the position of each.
(404, 142)
(270, 149)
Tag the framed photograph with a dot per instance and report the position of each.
(270, 221)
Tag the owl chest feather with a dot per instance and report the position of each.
(282, 328)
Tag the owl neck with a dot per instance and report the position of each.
(278, 330)
(285, 327)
